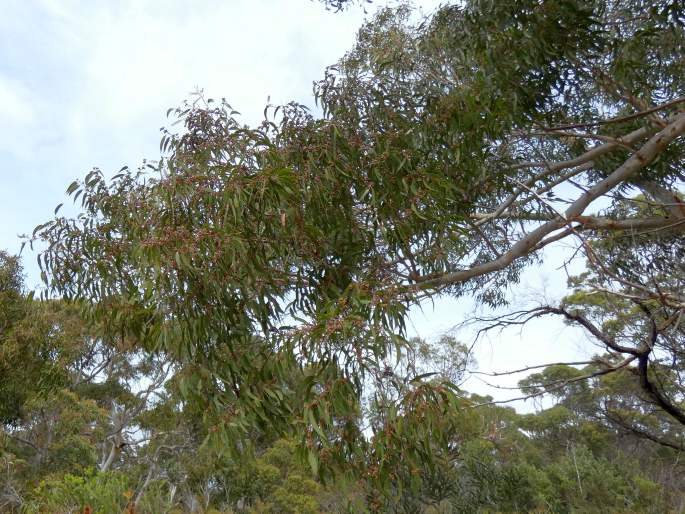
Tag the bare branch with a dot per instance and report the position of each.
(643, 157)
(620, 118)
(560, 384)
(660, 399)
(640, 432)
(529, 368)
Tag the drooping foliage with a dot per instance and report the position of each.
(277, 263)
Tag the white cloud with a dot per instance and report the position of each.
(15, 102)
(87, 82)
(143, 57)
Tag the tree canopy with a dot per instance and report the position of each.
(277, 263)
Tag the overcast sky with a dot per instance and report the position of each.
(87, 83)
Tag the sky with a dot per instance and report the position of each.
(87, 84)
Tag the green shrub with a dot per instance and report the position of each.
(105, 493)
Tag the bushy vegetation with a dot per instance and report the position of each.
(101, 431)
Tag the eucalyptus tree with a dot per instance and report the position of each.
(449, 153)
